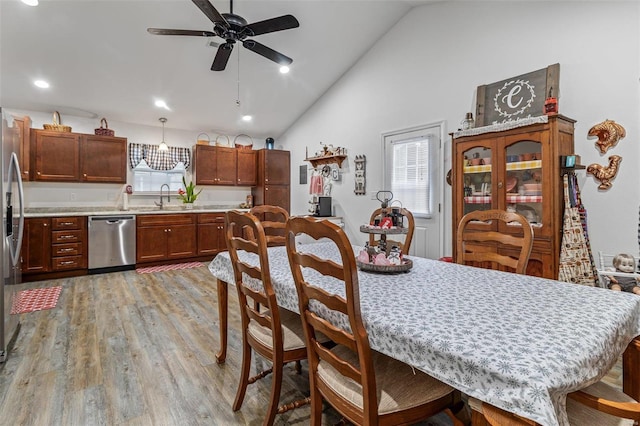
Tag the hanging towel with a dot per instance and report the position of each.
(316, 185)
(576, 260)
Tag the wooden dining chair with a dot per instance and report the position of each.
(273, 219)
(597, 405)
(491, 248)
(365, 386)
(403, 245)
(274, 333)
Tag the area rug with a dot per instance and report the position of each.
(37, 299)
(162, 268)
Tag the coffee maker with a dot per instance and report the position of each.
(324, 207)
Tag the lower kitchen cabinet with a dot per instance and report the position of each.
(36, 245)
(211, 234)
(56, 246)
(161, 237)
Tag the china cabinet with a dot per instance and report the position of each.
(519, 170)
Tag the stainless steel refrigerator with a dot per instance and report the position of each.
(12, 208)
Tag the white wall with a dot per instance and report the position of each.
(427, 68)
(55, 194)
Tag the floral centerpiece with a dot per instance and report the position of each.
(188, 195)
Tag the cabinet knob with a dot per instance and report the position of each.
(266, 189)
(85, 175)
(169, 229)
(38, 173)
(165, 230)
(44, 224)
(266, 180)
(500, 185)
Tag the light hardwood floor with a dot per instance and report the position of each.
(135, 349)
(138, 349)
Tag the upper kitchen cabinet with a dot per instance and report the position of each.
(75, 157)
(56, 157)
(103, 159)
(215, 165)
(247, 174)
(274, 170)
(22, 126)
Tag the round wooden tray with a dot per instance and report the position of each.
(407, 264)
(368, 230)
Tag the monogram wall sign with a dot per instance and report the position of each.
(518, 97)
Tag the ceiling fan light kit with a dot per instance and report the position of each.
(234, 28)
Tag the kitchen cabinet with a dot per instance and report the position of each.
(211, 238)
(103, 159)
(76, 157)
(56, 157)
(161, 237)
(53, 246)
(23, 127)
(247, 174)
(68, 243)
(274, 171)
(519, 170)
(36, 245)
(215, 165)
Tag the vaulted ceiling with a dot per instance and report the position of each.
(100, 60)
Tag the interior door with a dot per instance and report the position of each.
(412, 165)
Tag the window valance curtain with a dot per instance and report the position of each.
(158, 160)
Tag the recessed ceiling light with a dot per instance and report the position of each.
(284, 69)
(161, 104)
(30, 2)
(41, 84)
(246, 118)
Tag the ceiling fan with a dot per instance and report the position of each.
(234, 28)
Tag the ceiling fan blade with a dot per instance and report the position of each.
(165, 31)
(267, 52)
(280, 23)
(222, 57)
(212, 13)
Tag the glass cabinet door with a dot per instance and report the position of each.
(477, 179)
(523, 179)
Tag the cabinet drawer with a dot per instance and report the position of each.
(69, 262)
(166, 219)
(211, 218)
(66, 236)
(60, 223)
(71, 249)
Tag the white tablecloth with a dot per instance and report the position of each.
(518, 342)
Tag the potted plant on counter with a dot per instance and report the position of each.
(188, 195)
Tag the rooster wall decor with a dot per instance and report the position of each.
(609, 133)
(605, 174)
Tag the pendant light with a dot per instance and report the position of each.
(163, 145)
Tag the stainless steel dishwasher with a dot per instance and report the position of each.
(112, 243)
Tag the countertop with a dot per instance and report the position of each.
(104, 211)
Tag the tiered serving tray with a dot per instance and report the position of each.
(407, 264)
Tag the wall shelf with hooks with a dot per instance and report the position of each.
(326, 159)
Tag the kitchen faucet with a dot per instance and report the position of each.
(161, 204)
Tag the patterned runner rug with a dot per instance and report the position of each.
(162, 268)
(37, 299)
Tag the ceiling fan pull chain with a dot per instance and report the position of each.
(238, 81)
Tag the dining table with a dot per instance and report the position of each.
(518, 342)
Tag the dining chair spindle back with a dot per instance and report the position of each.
(274, 333)
(365, 386)
(493, 248)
